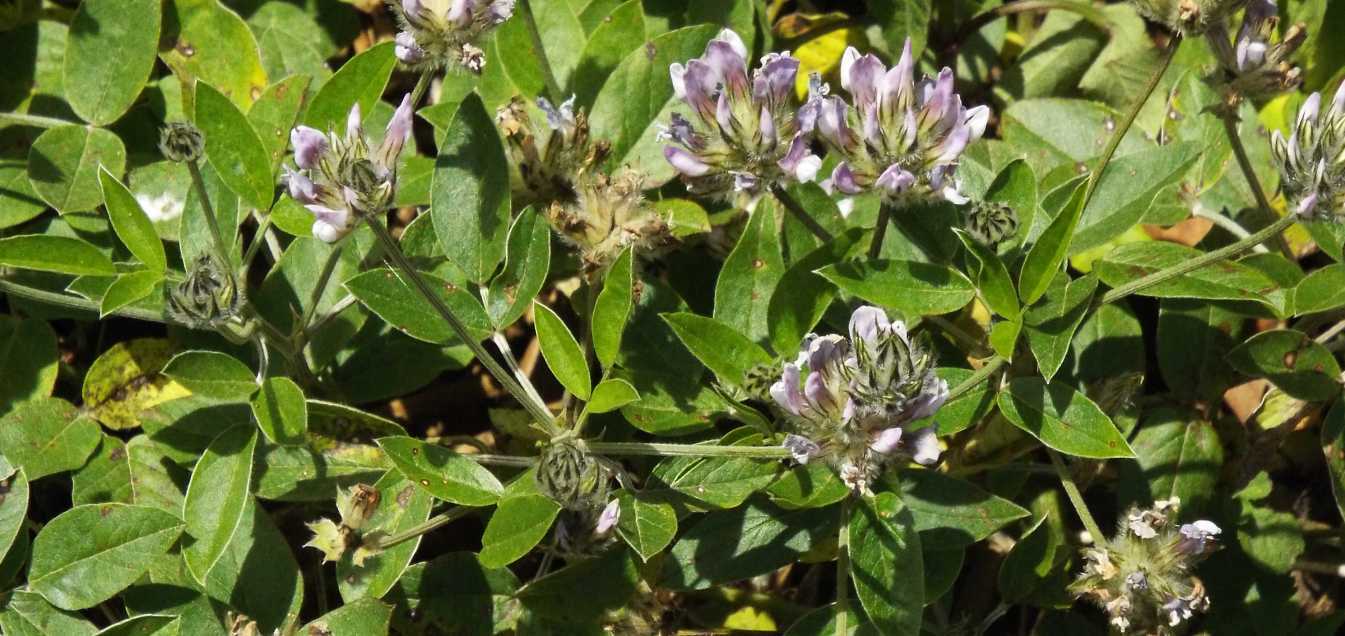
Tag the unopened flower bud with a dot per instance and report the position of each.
(567, 474)
(991, 223)
(1312, 159)
(206, 296)
(181, 141)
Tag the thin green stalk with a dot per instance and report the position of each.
(792, 206)
(1076, 498)
(433, 523)
(843, 569)
(1198, 262)
(81, 304)
(422, 85)
(508, 354)
(1124, 125)
(324, 277)
(1240, 152)
(880, 230)
(221, 248)
(393, 252)
(36, 121)
(981, 375)
(686, 450)
(548, 75)
(263, 227)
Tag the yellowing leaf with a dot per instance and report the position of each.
(125, 381)
(823, 55)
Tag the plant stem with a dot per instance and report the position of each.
(326, 317)
(1198, 262)
(1124, 125)
(513, 461)
(509, 359)
(1240, 152)
(68, 301)
(1076, 498)
(880, 230)
(393, 253)
(686, 450)
(548, 75)
(221, 248)
(981, 375)
(801, 215)
(263, 226)
(433, 523)
(1229, 225)
(324, 277)
(422, 85)
(36, 121)
(843, 569)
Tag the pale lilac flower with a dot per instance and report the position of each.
(438, 33)
(1312, 160)
(1198, 537)
(801, 448)
(747, 134)
(900, 139)
(341, 177)
(611, 514)
(1259, 63)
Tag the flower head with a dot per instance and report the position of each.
(553, 155)
(440, 33)
(1312, 159)
(1255, 65)
(853, 400)
(341, 177)
(207, 296)
(1142, 577)
(746, 133)
(899, 138)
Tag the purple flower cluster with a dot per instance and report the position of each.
(340, 177)
(1312, 159)
(1254, 65)
(747, 133)
(439, 33)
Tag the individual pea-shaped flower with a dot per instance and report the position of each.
(1312, 160)
(611, 514)
(1189, 17)
(1142, 577)
(339, 178)
(442, 33)
(900, 139)
(853, 400)
(745, 134)
(1255, 65)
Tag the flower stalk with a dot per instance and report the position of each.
(1076, 498)
(1244, 163)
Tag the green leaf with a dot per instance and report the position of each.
(562, 36)
(993, 278)
(1051, 131)
(88, 554)
(1051, 324)
(749, 277)
(950, 513)
(1322, 290)
(1046, 255)
(1193, 339)
(14, 509)
(234, 148)
(144, 625)
(63, 165)
(28, 350)
(1127, 190)
(886, 564)
(129, 288)
(215, 46)
(606, 582)
(1109, 344)
(292, 42)
(646, 526)
(365, 616)
(562, 352)
(822, 622)
(1016, 187)
(610, 395)
(1225, 280)
(441, 472)
(401, 507)
(723, 350)
(60, 254)
(617, 34)
(1292, 361)
(613, 307)
(281, 411)
(1063, 419)
(1333, 451)
(276, 111)
(720, 482)
(527, 259)
(912, 288)
(470, 194)
(453, 592)
(151, 482)
(211, 374)
(257, 574)
(360, 81)
(105, 478)
(109, 56)
(764, 538)
(218, 497)
(802, 297)
(522, 518)
(399, 304)
(28, 614)
(1029, 563)
(47, 436)
(1178, 455)
(811, 485)
(900, 20)
(638, 97)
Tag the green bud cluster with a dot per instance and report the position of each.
(207, 297)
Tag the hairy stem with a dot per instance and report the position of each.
(1245, 164)
(422, 85)
(1229, 225)
(433, 523)
(393, 252)
(981, 375)
(324, 277)
(1198, 262)
(36, 121)
(523, 380)
(686, 450)
(801, 215)
(1076, 498)
(843, 569)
